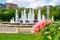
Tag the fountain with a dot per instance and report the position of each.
(30, 19)
(16, 17)
(24, 17)
(31, 16)
(28, 16)
(12, 20)
(21, 16)
(43, 17)
(39, 15)
(52, 18)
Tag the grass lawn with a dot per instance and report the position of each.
(17, 36)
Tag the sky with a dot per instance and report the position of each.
(32, 3)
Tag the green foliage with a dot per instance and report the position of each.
(36, 12)
(57, 15)
(6, 14)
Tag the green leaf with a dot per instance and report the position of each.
(57, 36)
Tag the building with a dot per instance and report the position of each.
(2, 5)
(11, 5)
(7, 5)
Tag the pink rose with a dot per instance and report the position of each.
(39, 25)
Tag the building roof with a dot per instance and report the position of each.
(11, 4)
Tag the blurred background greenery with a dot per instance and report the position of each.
(7, 13)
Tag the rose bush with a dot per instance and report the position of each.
(46, 30)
